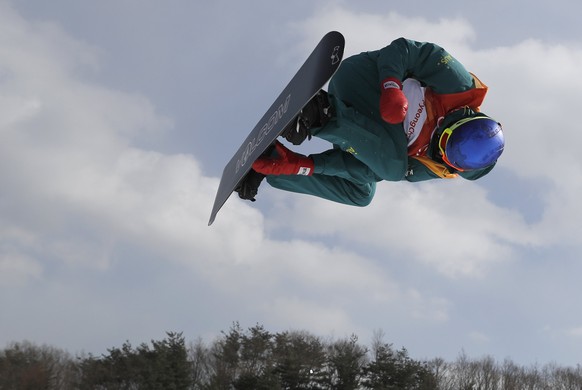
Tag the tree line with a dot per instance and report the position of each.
(257, 359)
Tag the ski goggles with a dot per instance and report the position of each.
(446, 135)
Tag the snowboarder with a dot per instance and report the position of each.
(409, 111)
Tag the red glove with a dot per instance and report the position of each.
(393, 103)
(285, 163)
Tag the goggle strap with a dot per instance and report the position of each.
(448, 132)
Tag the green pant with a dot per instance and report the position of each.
(366, 149)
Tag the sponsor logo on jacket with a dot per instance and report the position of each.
(414, 122)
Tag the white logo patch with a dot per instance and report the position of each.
(304, 171)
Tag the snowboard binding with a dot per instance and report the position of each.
(316, 113)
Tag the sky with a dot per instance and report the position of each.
(117, 118)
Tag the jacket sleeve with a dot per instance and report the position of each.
(426, 62)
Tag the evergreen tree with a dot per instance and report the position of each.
(396, 370)
(165, 366)
(346, 360)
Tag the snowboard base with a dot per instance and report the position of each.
(319, 67)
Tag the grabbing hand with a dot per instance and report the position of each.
(285, 162)
(393, 102)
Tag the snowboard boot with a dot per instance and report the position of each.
(316, 113)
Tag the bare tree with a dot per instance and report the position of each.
(442, 373)
(25, 365)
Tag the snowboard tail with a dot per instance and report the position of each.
(319, 67)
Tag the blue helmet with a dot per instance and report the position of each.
(472, 143)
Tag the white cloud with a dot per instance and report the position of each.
(17, 269)
(66, 150)
(536, 90)
(479, 337)
(369, 31)
(456, 230)
(575, 332)
(321, 318)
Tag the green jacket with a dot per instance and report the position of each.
(367, 149)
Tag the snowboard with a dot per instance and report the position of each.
(321, 64)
